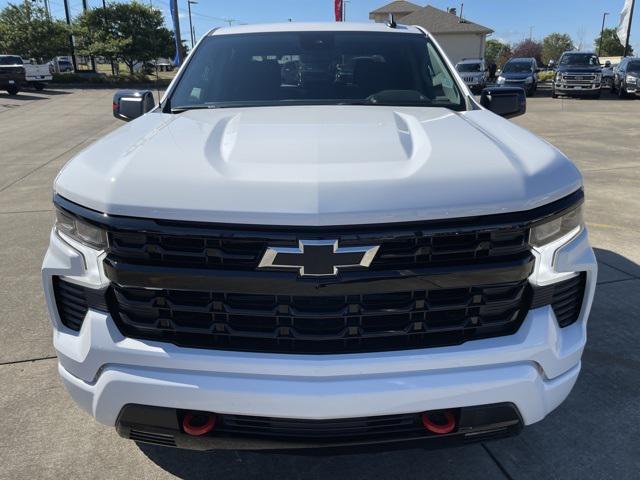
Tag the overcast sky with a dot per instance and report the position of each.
(512, 20)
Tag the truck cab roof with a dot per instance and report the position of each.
(315, 27)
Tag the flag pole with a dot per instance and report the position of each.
(626, 46)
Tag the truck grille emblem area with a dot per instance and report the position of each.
(318, 258)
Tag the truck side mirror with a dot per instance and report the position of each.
(607, 64)
(507, 102)
(131, 104)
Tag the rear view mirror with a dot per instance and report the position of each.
(131, 104)
(507, 102)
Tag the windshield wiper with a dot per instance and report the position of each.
(184, 108)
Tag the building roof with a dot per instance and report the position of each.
(399, 6)
(438, 21)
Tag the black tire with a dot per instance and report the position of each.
(622, 93)
(13, 90)
(39, 86)
(554, 94)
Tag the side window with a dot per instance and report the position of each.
(441, 77)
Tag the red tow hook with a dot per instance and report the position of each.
(439, 421)
(197, 424)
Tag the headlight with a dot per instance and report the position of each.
(631, 79)
(598, 77)
(551, 230)
(558, 77)
(528, 80)
(80, 231)
(500, 79)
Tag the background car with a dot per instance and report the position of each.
(520, 72)
(626, 80)
(607, 74)
(473, 72)
(61, 64)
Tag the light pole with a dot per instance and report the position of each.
(189, 3)
(604, 16)
(344, 10)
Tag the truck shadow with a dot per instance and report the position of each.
(20, 97)
(544, 91)
(586, 426)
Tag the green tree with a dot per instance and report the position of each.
(126, 32)
(554, 45)
(27, 30)
(611, 45)
(504, 56)
(493, 51)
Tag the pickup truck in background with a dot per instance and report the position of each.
(578, 74)
(11, 73)
(37, 75)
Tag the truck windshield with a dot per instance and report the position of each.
(580, 59)
(468, 67)
(517, 67)
(315, 68)
(10, 60)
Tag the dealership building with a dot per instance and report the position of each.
(458, 36)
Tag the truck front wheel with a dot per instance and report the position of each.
(39, 86)
(622, 91)
(13, 90)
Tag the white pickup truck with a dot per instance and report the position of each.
(37, 75)
(278, 260)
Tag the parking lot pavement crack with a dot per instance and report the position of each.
(632, 275)
(43, 165)
(50, 357)
(27, 211)
(634, 279)
(609, 168)
(497, 462)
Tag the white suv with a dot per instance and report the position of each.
(318, 237)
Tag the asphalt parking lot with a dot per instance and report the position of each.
(594, 434)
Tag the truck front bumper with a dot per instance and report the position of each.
(533, 369)
(568, 89)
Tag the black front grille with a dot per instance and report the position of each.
(432, 283)
(321, 324)
(71, 302)
(242, 250)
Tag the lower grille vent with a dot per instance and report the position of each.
(565, 298)
(346, 428)
(71, 302)
(149, 437)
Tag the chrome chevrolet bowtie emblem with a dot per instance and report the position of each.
(318, 257)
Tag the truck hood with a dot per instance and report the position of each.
(578, 69)
(516, 75)
(317, 165)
